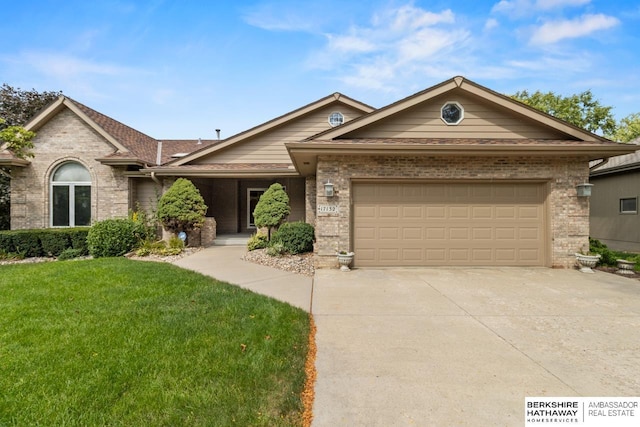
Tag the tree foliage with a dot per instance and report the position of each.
(182, 208)
(272, 208)
(581, 110)
(628, 129)
(16, 108)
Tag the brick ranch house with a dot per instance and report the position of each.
(456, 174)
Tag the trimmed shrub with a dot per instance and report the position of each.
(27, 242)
(54, 242)
(181, 208)
(297, 237)
(113, 237)
(272, 208)
(78, 238)
(6, 242)
(257, 241)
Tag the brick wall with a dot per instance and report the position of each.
(66, 138)
(568, 214)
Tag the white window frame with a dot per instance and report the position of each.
(460, 107)
(335, 114)
(72, 195)
(623, 212)
(249, 190)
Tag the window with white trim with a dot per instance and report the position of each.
(452, 113)
(336, 119)
(70, 196)
(629, 205)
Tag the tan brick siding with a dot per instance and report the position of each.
(568, 215)
(66, 138)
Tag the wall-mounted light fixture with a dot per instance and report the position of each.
(328, 189)
(584, 190)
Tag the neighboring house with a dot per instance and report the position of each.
(454, 175)
(614, 201)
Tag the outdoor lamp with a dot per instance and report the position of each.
(328, 189)
(584, 190)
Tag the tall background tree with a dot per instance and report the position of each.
(16, 108)
(584, 111)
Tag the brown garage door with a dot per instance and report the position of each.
(415, 224)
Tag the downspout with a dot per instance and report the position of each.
(155, 179)
(158, 162)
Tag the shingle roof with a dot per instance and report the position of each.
(140, 145)
(618, 163)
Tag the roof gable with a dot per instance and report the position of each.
(129, 144)
(206, 154)
(536, 124)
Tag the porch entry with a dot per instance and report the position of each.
(232, 201)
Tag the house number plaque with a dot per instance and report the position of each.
(328, 209)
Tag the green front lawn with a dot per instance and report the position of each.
(120, 342)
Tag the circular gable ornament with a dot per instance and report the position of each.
(452, 113)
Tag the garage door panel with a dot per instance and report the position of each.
(412, 233)
(386, 233)
(449, 224)
(458, 233)
(435, 212)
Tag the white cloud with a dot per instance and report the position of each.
(65, 66)
(398, 42)
(554, 31)
(490, 24)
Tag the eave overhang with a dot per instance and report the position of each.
(14, 161)
(122, 161)
(305, 154)
(220, 171)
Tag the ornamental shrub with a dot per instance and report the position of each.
(181, 208)
(272, 208)
(54, 241)
(113, 237)
(257, 241)
(297, 237)
(69, 253)
(27, 242)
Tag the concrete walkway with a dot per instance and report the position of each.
(225, 263)
(447, 346)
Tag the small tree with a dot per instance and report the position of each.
(272, 208)
(181, 208)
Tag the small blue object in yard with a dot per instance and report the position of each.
(182, 236)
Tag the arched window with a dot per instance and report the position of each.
(71, 196)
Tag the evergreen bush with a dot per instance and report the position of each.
(272, 208)
(181, 208)
(297, 237)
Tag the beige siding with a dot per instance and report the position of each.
(269, 147)
(480, 121)
(619, 231)
(145, 194)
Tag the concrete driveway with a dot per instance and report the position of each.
(464, 347)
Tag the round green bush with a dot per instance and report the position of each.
(296, 237)
(114, 237)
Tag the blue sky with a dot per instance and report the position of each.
(181, 69)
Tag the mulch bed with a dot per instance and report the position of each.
(613, 270)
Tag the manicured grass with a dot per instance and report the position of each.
(130, 343)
